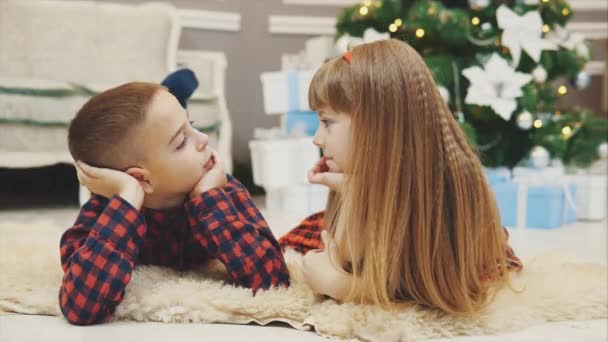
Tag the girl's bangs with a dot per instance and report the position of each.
(331, 87)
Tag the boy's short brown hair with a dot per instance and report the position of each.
(99, 133)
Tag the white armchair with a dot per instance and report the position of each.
(54, 55)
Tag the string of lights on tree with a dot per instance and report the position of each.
(500, 65)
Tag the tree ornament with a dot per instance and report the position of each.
(479, 4)
(445, 94)
(602, 150)
(582, 80)
(525, 120)
(562, 37)
(460, 117)
(497, 85)
(522, 33)
(539, 74)
(539, 157)
(582, 50)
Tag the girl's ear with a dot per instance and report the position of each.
(143, 176)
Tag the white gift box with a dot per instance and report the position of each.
(286, 91)
(591, 197)
(297, 201)
(279, 163)
(318, 50)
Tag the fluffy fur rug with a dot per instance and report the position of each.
(554, 289)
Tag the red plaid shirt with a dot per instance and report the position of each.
(307, 236)
(110, 238)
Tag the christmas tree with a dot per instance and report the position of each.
(500, 65)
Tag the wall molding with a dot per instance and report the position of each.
(589, 5)
(302, 25)
(335, 3)
(577, 5)
(590, 30)
(210, 20)
(313, 26)
(596, 68)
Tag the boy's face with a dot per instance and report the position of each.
(175, 152)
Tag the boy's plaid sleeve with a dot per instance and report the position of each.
(229, 226)
(97, 257)
(306, 236)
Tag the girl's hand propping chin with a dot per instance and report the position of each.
(322, 174)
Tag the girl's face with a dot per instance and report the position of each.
(333, 137)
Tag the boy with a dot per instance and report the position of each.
(161, 197)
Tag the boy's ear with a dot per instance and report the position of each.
(143, 176)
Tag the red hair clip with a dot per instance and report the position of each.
(348, 56)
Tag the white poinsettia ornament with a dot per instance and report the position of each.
(562, 37)
(347, 42)
(522, 33)
(497, 85)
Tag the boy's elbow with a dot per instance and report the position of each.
(270, 276)
(73, 318)
(76, 319)
(76, 316)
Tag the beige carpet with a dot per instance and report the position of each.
(556, 289)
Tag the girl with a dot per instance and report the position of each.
(409, 216)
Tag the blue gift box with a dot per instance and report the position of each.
(497, 174)
(293, 86)
(302, 122)
(546, 206)
(506, 200)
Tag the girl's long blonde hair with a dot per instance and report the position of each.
(416, 215)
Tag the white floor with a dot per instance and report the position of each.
(585, 240)
(19, 328)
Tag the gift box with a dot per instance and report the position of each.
(548, 207)
(318, 50)
(298, 200)
(302, 123)
(591, 199)
(533, 198)
(282, 162)
(506, 193)
(286, 91)
(497, 174)
(545, 197)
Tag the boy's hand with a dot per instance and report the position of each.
(321, 272)
(108, 182)
(214, 177)
(321, 174)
